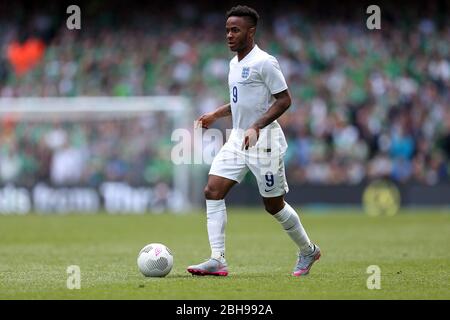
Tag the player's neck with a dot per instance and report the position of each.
(242, 54)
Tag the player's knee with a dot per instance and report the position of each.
(273, 208)
(270, 209)
(212, 193)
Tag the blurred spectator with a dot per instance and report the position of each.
(24, 54)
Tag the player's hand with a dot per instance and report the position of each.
(250, 138)
(205, 120)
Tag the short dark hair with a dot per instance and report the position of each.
(244, 11)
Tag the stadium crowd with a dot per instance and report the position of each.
(366, 103)
(87, 153)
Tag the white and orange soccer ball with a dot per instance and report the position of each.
(155, 260)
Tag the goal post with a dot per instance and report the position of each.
(117, 147)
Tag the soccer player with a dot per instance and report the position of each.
(258, 96)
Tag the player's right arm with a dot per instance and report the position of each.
(208, 118)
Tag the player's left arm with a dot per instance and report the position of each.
(281, 104)
(273, 78)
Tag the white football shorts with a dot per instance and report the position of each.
(264, 160)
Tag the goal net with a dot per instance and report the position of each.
(88, 154)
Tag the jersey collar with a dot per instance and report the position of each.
(252, 52)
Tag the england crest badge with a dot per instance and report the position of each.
(245, 73)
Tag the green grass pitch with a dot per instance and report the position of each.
(412, 250)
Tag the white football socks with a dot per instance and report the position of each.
(216, 214)
(290, 221)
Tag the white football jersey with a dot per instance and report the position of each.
(253, 81)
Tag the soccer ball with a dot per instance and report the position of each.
(155, 260)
